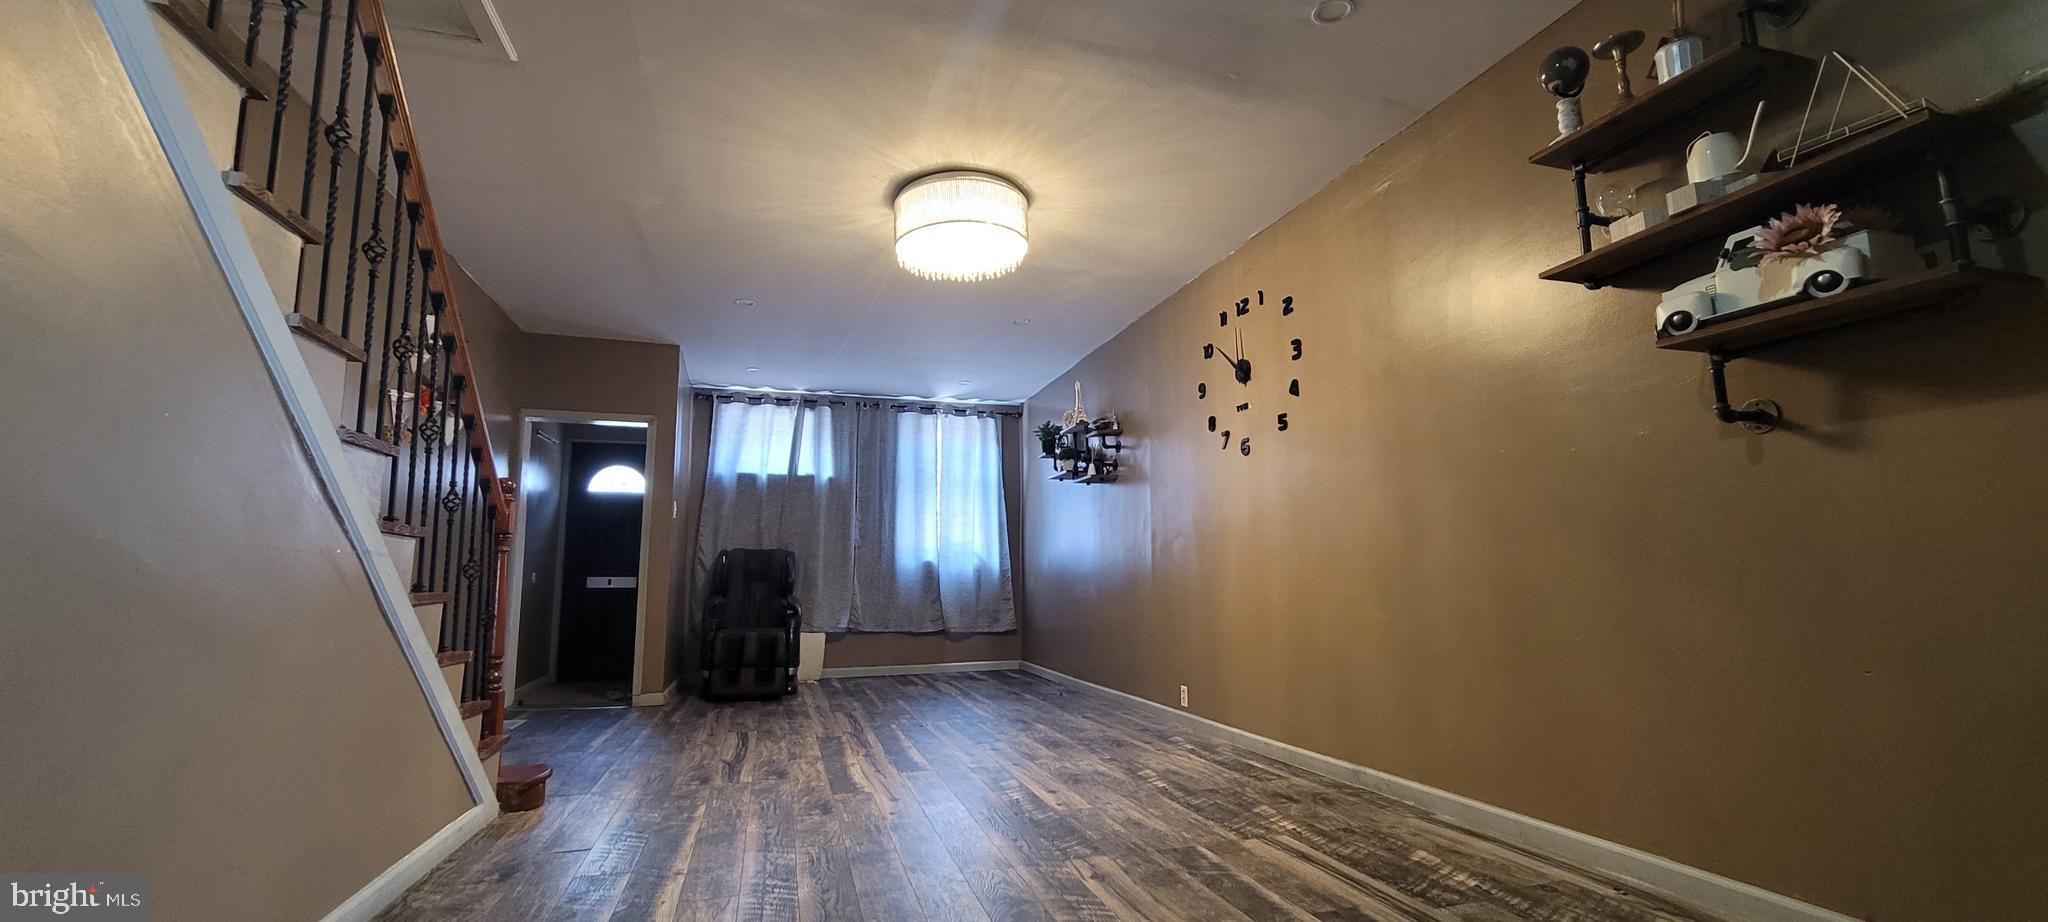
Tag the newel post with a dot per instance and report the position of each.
(494, 671)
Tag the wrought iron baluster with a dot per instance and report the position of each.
(459, 506)
(488, 598)
(452, 501)
(374, 250)
(466, 572)
(313, 109)
(284, 88)
(392, 310)
(397, 351)
(213, 8)
(337, 136)
(434, 430)
(418, 363)
(472, 574)
(348, 289)
(255, 30)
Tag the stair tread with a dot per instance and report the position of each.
(523, 775)
(224, 49)
(432, 598)
(249, 190)
(490, 747)
(402, 530)
(366, 441)
(451, 657)
(473, 708)
(322, 334)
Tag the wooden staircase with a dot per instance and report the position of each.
(301, 104)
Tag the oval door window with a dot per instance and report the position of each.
(617, 478)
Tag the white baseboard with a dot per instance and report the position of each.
(398, 878)
(1706, 890)
(853, 672)
(657, 699)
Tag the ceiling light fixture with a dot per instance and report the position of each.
(960, 225)
(743, 302)
(1331, 12)
(752, 368)
(1021, 323)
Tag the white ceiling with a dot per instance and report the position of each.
(646, 162)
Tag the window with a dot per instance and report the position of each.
(949, 491)
(768, 440)
(618, 479)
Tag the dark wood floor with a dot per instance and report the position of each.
(996, 796)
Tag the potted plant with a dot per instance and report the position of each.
(1048, 433)
(1069, 458)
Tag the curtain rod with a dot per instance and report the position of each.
(846, 400)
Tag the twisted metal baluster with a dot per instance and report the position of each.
(391, 309)
(337, 135)
(374, 251)
(348, 293)
(488, 599)
(255, 30)
(431, 429)
(284, 90)
(313, 109)
(453, 500)
(398, 350)
(418, 363)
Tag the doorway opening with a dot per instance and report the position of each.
(577, 609)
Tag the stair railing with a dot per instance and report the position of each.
(329, 151)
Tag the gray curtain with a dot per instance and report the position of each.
(897, 517)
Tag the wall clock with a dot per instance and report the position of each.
(1251, 371)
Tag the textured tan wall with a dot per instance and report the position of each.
(523, 371)
(195, 680)
(1506, 552)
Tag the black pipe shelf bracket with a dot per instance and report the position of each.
(1758, 415)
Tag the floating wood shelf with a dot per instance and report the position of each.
(1722, 74)
(1063, 475)
(1880, 152)
(1755, 328)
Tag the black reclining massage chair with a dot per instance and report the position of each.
(750, 625)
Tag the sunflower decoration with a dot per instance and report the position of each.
(1809, 230)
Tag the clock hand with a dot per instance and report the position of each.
(1225, 355)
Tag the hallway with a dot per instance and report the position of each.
(997, 796)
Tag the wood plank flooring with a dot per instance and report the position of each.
(990, 797)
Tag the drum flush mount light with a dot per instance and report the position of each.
(960, 225)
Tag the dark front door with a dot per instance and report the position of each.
(600, 562)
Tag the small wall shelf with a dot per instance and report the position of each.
(1722, 74)
(1885, 150)
(1100, 444)
(1751, 329)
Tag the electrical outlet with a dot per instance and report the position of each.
(1183, 696)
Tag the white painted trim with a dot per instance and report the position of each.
(657, 699)
(516, 598)
(852, 672)
(135, 39)
(381, 892)
(1703, 889)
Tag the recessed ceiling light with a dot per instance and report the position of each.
(752, 368)
(743, 302)
(1022, 323)
(1331, 12)
(965, 383)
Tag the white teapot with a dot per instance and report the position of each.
(1715, 154)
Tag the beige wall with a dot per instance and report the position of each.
(540, 489)
(195, 680)
(528, 372)
(1505, 551)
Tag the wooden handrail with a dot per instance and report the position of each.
(502, 490)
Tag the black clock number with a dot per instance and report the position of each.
(1201, 392)
(1226, 438)
(1294, 388)
(1283, 422)
(1287, 305)
(1244, 306)
(1208, 350)
(1297, 348)
(1222, 318)
(1212, 424)
(1244, 447)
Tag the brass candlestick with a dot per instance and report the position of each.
(1616, 48)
